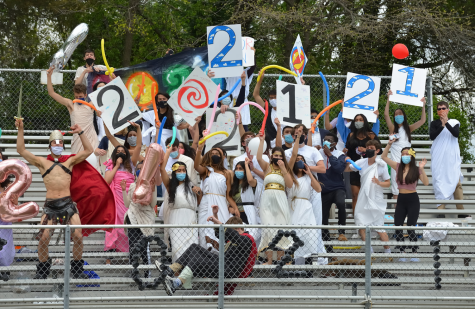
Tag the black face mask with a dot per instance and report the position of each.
(216, 159)
(302, 139)
(275, 160)
(162, 104)
(122, 155)
(89, 61)
(370, 153)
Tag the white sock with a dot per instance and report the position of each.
(387, 250)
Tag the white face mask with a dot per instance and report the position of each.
(273, 102)
(57, 150)
(132, 140)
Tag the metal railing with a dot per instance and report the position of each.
(42, 114)
(360, 273)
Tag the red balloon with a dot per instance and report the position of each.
(400, 51)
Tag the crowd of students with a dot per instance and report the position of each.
(294, 179)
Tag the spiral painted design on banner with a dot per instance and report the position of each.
(194, 95)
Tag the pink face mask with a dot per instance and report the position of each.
(181, 151)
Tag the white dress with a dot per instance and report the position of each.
(302, 214)
(274, 210)
(396, 148)
(182, 211)
(251, 211)
(446, 163)
(214, 193)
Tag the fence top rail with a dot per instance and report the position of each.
(284, 227)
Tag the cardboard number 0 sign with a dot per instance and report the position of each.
(225, 50)
(293, 104)
(227, 123)
(116, 104)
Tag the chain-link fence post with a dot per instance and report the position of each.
(429, 107)
(221, 268)
(67, 263)
(368, 268)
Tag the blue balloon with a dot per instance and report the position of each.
(354, 164)
(326, 87)
(230, 91)
(160, 131)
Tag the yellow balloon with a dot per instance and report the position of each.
(276, 67)
(213, 134)
(109, 69)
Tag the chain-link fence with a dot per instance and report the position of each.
(41, 112)
(171, 264)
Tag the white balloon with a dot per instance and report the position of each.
(254, 145)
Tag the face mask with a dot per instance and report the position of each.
(370, 153)
(82, 99)
(275, 160)
(406, 159)
(132, 140)
(216, 159)
(399, 119)
(226, 101)
(273, 102)
(359, 124)
(348, 124)
(121, 155)
(328, 144)
(180, 176)
(161, 104)
(300, 165)
(137, 172)
(57, 150)
(302, 139)
(288, 139)
(174, 154)
(239, 174)
(89, 61)
(181, 151)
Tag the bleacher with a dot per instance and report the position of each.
(333, 282)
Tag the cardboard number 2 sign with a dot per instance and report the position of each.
(116, 104)
(224, 122)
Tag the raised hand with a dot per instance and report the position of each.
(135, 125)
(376, 112)
(422, 163)
(423, 100)
(50, 71)
(277, 121)
(390, 92)
(19, 123)
(211, 74)
(75, 129)
(123, 185)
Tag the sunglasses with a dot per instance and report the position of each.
(442, 109)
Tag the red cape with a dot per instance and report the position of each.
(92, 194)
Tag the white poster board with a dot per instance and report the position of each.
(116, 104)
(56, 78)
(247, 52)
(361, 96)
(194, 96)
(224, 122)
(225, 50)
(293, 104)
(298, 59)
(408, 85)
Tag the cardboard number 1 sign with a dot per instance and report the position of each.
(293, 104)
(116, 104)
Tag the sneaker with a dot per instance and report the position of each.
(414, 260)
(355, 236)
(342, 237)
(168, 286)
(158, 265)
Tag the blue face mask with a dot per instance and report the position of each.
(289, 139)
(406, 159)
(239, 174)
(399, 119)
(300, 165)
(226, 101)
(328, 144)
(137, 172)
(180, 176)
(82, 99)
(174, 154)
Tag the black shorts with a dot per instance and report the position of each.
(355, 179)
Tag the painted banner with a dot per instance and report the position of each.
(116, 104)
(298, 59)
(225, 50)
(293, 104)
(408, 85)
(247, 52)
(361, 96)
(227, 123)
(194, 96)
